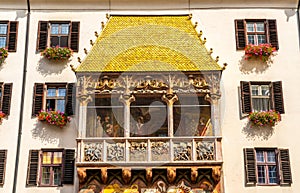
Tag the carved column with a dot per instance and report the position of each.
(127, 100)
(170, 99)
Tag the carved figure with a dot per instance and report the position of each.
(126, 175)
(81, 172)
(149, 175)
(104, 175)
(194, 174)
(171, 174)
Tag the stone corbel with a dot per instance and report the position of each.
(81, 172)
(216, 174)
(104, 175)
(171, 174)
(194, 174)
(126, 175)
(149, 175)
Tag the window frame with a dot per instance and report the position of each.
(265, 163)
(276, 96)
(5, 98)
(241, 32)
(255, 33)
(56, 97)
(51, 166)
(44, 34)
(59, 35)
(40, 97)
(11, 35)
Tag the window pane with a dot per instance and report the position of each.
(260, 104)
(47, 157)
(260, 27)
(261, 39)
(51, 92)
(261, 174)
(259, 156)
(50, 104)
(45, 175)
(271, 156)
(250, 27)
(3, 29)
(54, 41)
(265, 90)
(57, 157)
(54, 28)
(251, 39)
(2, 42)
(64, 28)
(63, 42)
(61, 105)
(57, 175)
(254, 89)
(61, 92)
(272, 174)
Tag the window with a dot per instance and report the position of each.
(267, 166)
(54, 167)
(3, 155)
(53, 96)
(62, 34)
(5, 97)
(51, 168)
(261, 96)
(8, 35)
(255, 32)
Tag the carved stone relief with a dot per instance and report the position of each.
(205, 150)
(93, 152)
(182, 151)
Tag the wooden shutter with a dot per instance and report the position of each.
(7, 89)
(272, 30)
(250, 166)
(38, 98)
(70, 100)
(240, 34)
(74, 36)
(32, 170)
(42, 35)
(246, 97)
(3, 155)
(12, 36)
(277, 97)
(69, 164)
(285, 167)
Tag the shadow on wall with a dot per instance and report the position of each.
(253, 65)
(50, 134)
(51, 67)
(257, 133)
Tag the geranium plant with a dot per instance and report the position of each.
(56, 118)
(2, 115)
(264, 118)
(3, 54)
(57, 53)
(261, 51)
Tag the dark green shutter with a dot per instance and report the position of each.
(38, 95)
(285, 167)
(277, 97)
(246, 97)
(3, 155)
(12, 36)
(74, 36)
(32, 170)
(240, 34)
(42, 36)
(70, 100)
(7, 89)
(272, 29)
(69, 164)
(250, 166)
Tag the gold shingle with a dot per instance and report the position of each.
(148, 43)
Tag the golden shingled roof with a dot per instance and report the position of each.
(148, 43)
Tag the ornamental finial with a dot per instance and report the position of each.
(91, 42)
(79, 59)
(210, 51)
(96, 34)
(224, 66)
(196, 24)
(217, 58)
(85, 50)
(102, 25)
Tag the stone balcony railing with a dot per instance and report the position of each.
(139, 151)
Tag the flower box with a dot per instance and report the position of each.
(2, 115)
(57, 53)
(261, 51)
(264, 118)
(3, 54)
(56, 118)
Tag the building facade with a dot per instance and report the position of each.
(150, 96)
